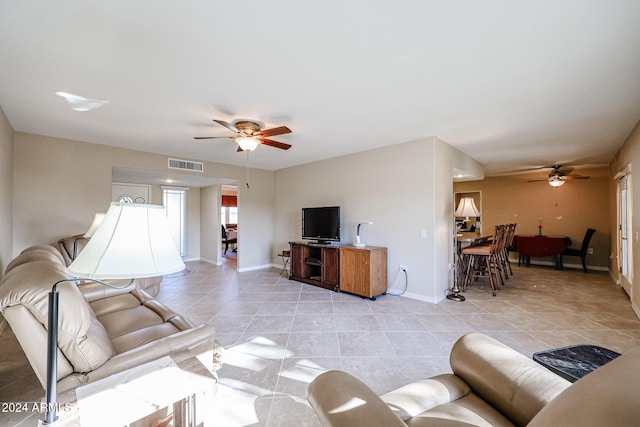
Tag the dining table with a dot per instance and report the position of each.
(540, 246)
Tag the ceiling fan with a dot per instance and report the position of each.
(249, 134)
(557, 178)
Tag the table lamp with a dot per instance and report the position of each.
(467, 207)
(133, 241)
(358, 243)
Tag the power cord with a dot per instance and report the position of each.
(406, 284)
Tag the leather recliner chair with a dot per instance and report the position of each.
(102, 331)
(491, 385)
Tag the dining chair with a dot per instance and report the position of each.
(483, 261)
(226, 240)
(582, 252)
(508, 246)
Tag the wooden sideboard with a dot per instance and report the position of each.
(360, 271)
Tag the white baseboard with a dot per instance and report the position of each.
(419, 297)
(255, 267)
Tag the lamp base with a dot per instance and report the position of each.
(359, 245)
(455, 297)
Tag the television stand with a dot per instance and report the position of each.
(315, 264)
(340, 268)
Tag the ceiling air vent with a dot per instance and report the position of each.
(186, 165)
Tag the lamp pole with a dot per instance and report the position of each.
(52, 357)
(454, 292)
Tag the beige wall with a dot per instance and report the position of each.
(403, 189)
(209, 202)
(626, 157)
(567, 210)
(60, 184)
(6, 192)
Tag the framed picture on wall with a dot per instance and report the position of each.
(130, 193)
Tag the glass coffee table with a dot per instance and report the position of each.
(576, 361)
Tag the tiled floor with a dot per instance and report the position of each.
(280, 334)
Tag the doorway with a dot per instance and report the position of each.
(229, 222)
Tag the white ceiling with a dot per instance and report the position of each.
(515, 85)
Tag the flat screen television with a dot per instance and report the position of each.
(321, 224)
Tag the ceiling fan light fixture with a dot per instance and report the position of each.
(246, 143)
(557, 181)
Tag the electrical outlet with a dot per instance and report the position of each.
(404, 267)
(590, 251)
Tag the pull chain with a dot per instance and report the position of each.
(248, 169)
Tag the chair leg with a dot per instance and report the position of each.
(506, 259)
(584, 264)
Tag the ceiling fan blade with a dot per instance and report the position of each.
(229, 126)
(276, 144)
(211, 137)
(281, 130)
(538, 180)
(578, 177)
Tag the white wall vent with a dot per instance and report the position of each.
(186, 165)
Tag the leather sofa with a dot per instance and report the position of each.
(70, 247)
(491, 385)
(102, 331)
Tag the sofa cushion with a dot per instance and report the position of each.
(48, 248)
(469, 410)
(113, 304)
(440, 400)
(135, 318)
(142, 336)
(33, 255)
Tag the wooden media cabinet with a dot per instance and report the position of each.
(360, 271)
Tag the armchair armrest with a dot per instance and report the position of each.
(175, 344)
(341, 400)
(508, 380)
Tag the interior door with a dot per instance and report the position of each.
(624, 233)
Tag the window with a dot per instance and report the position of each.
(175, 205)
(229, 215)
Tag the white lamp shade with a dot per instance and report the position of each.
(467, 207)
(246, 143)
(133, 241)
(97, 220)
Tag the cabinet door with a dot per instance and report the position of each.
(330, 263)
(297, 260)
(355, 272)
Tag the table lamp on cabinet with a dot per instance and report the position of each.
(358, 243)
